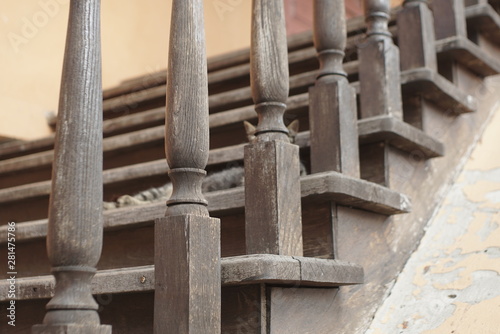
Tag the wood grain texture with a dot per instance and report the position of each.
(187, 275)
(416, 23)
(483, 19)
(379, 74)
(329, 36)
(449, 18)
(187, 240)
(272, 199)
(74, 237)
(235, 271)
(272, 174)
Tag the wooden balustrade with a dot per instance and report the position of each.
(272, 181)
(187, 240)
(74, 238)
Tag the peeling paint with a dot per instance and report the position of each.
(451, 284)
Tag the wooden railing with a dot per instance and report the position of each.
(74, 238)
(187, 239)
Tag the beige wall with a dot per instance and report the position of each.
(134, 39)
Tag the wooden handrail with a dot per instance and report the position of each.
(74, 238)
(187, 240)
(272, 175)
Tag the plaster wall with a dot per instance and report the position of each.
(134, 42)
(451, 284)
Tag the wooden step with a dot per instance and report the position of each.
(240, 270)
(320, 187)
(484, 19)
(468, 54)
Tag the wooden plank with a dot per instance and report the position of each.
(399, 134)
(239, 270)
(485, 20)
(316, 188)
(468, 54)
(433, 87)
(272, 166)
(312, 309)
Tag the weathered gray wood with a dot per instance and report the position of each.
(74, 237)
(312, 310)
(470, 55)
(187, 240)
(238, 270)
(416, 24)
(437, 90)
(484, 20)
(272, 172)
(399, 134)
(332, 106)
(379, 74)
(187, 275)
(449, 18)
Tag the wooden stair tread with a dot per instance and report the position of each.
(238, 270)
(486, 20)
(399, 134)
(320, 187)
(437, 89)
(469, 54)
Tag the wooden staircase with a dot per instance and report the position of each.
(358, 227)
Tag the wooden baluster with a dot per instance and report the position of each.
(380, 90)
(187, 240)
(416, 41)
(379, 74)
(416, 36)
(272, 182)
(74, 238)
(449, 18)
(332, 102)
(332, 106)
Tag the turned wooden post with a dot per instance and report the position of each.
(272, 176)
(332, 101)
(332, 105)
(416, 36)
(380, 89)
(74, 238)
(379, 74)
(187, 240)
